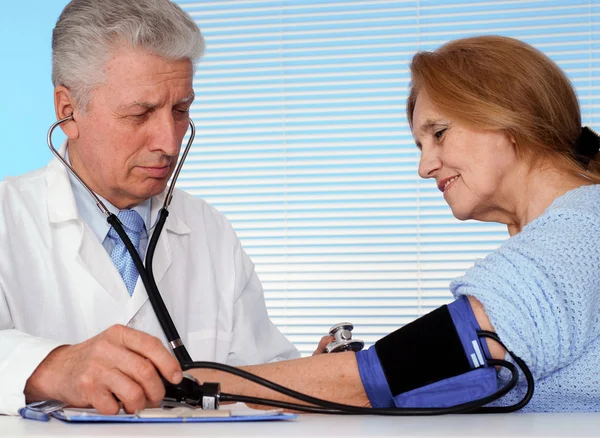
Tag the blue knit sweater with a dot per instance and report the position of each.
(541, 291)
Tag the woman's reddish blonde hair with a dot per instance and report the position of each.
(500, 83)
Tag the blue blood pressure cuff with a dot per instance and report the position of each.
(435, 361)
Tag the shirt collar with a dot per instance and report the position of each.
(89, 212)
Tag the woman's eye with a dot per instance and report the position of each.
(438, 134)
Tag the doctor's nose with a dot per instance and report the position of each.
(429, 164)
(166, 136)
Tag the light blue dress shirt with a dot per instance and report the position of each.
(96, 220)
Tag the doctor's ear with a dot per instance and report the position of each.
(64, 106)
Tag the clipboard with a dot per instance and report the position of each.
(237, 412)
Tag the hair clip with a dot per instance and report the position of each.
(587, 144)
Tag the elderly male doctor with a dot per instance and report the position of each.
(74, 325)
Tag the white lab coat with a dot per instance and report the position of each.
(58, 285)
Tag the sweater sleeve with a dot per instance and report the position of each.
(540, 289)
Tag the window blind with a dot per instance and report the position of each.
(303, 143)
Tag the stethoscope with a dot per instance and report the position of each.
(207, 395)
(342, 339)
(146, 274)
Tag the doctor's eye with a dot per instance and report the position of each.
(181, 114)
(140, 116)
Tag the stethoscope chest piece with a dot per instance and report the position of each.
(343, 341)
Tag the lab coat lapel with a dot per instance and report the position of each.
(81, 244)
(163, 257)
(97, 262)
(173, 228)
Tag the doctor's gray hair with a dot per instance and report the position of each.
(88, 32)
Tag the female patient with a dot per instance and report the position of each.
(499, 129)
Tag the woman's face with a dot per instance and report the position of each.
(476, 170)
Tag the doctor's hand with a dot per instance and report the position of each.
(119, 364)
(325, 340)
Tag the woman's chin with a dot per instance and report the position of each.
(460, 214)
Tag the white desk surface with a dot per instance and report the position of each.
(315, 426)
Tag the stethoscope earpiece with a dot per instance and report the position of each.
(343, 341)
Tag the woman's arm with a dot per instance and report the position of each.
(334, 377)
(496, 350)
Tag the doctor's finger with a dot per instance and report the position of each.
(325, 340)
(104, 402)
(126, 390)
(143, 373)
(152, 349)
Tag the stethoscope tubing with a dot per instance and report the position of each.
(160, 309)
(145, 272)
(99, 203)
(327, 407)
(321, 406)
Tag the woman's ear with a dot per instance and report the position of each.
(64, 106)
(511, 138)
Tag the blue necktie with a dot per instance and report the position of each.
(133, 225)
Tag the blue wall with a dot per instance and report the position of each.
(27, 108)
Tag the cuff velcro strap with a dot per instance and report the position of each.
(425, 351)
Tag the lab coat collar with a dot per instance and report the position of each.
(61, 201)
(173, 223)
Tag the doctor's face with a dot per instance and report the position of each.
(477, 170)
(128, 139)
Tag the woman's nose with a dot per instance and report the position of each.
(429, 164)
